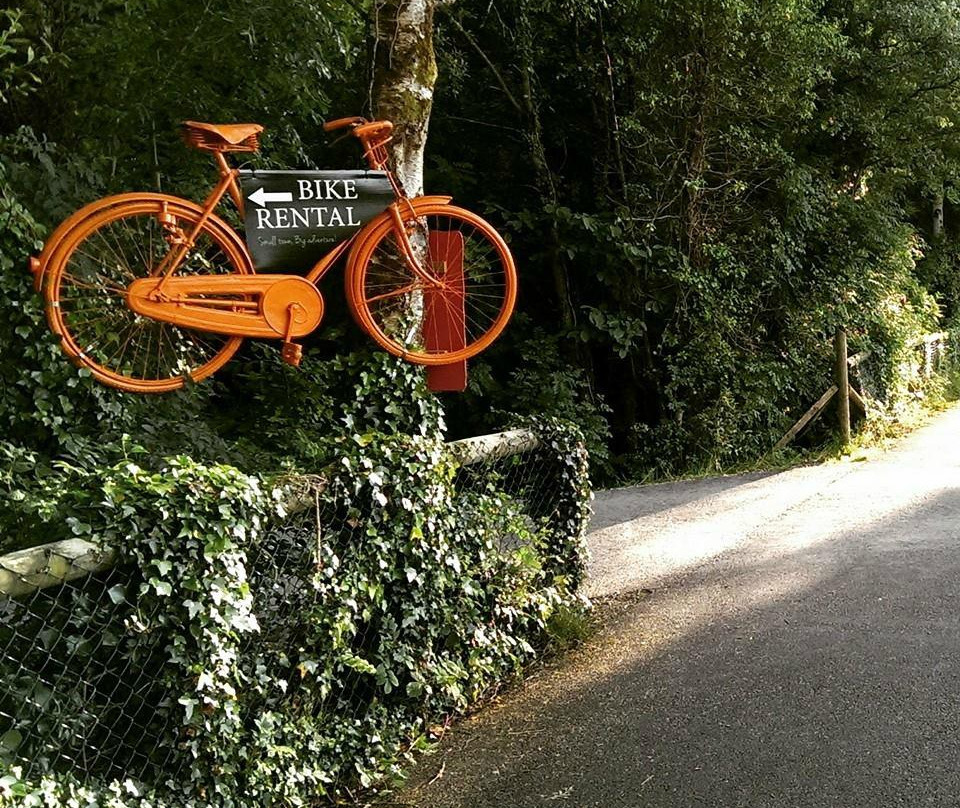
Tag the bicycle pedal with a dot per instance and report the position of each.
(292, 354)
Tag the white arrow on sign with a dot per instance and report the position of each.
(261, 197)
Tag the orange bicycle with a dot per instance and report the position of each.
(148, 290)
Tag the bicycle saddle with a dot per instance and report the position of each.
(222, 136)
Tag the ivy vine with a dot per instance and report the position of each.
(314, 629)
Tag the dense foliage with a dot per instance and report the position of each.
(701, 192)
(697, 193)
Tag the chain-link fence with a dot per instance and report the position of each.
(80, 699)
(930, 357)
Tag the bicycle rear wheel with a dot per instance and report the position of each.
(420, 323)
(85, 294)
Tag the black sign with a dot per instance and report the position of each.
(293, 218)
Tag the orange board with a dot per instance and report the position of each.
(445, 314)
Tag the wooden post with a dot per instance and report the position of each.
(25, 571)
(843, 385)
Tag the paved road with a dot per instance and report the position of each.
(800, 646)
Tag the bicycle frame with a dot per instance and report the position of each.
(228, 184)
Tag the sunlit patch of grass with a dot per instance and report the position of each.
(569, 626)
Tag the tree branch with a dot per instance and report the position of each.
(493, 69)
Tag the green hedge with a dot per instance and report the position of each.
(409, 604)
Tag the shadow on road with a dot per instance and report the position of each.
(820, 672)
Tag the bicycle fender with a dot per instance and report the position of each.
(39, 264)
(51, 248)
(431, 200)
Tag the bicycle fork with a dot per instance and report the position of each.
(408, 250)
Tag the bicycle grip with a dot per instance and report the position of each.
(340, 123)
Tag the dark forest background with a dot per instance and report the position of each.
(697, 195)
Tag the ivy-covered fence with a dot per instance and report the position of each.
(209, 639)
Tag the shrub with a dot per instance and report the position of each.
(298, 654)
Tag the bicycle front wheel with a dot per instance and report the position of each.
(426, 324)
(86, 287)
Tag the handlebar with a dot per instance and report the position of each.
(373, 135)
(340, 123)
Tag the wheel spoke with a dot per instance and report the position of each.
(395, 293)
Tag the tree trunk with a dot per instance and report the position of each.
(696, 162)
(938, 216)
(404, 74)
(543, 174)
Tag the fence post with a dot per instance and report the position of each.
(843, 385)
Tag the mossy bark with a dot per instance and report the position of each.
(404, 74)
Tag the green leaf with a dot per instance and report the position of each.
(359, 664)
(162, 588)
(117, 593)
(11, 739)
